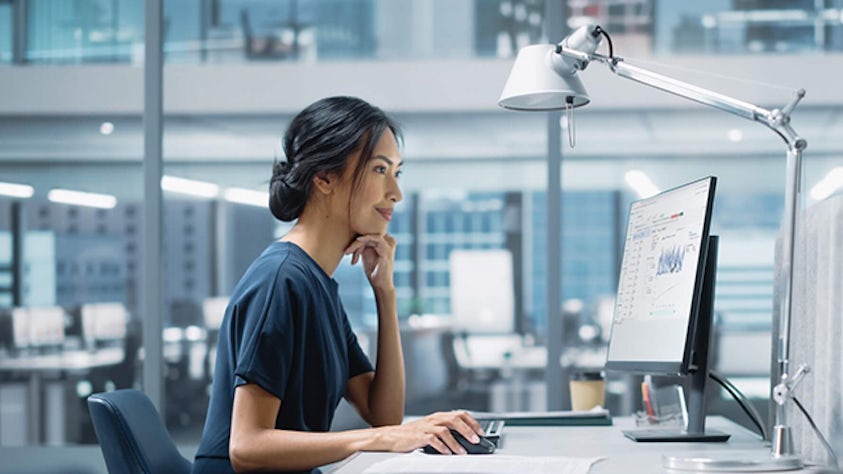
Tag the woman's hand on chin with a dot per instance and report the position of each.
(378, 255)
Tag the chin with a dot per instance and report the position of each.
(371, 229)
(369, 224)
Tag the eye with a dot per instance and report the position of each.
(398, 174)
(380, 169)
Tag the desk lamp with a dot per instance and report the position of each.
(544, 77)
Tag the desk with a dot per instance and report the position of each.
(486, 352)
(35, 366)
(621, 454)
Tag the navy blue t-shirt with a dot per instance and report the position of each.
(285, 330)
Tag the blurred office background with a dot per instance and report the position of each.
(472, 228)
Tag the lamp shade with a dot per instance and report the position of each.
(534, 84)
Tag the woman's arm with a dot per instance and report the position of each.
(255, 444)
(379, 397)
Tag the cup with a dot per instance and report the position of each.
(588, 390)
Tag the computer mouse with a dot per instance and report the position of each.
(484, 446)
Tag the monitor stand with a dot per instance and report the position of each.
(698, 374)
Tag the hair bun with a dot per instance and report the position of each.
(280, 170)
(286, 201)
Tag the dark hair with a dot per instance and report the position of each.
(320, 139)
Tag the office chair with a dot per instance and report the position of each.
(132, 435)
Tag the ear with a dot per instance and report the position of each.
(324, 183)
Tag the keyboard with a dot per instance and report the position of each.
(493, 430)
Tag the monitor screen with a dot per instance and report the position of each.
(213, 311)
(482, 291)
(661, 279)
(104, 321)
(46, 326)
(20, 328)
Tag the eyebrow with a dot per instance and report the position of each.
(387, 160)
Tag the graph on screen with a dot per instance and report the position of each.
(658, 273)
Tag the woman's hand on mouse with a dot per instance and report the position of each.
(433, 430)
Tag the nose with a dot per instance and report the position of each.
(394, 191)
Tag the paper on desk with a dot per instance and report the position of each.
(420, 463)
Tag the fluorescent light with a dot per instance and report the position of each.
(79, 198)
(247, 196)
(106, 128)
(734, 135)
(641, 183)
(16, 190)
(189, 186)
(828, 185)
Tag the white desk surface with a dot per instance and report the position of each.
(486, 352)
(66, 360)
(621, 454)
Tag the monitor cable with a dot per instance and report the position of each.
(739, 397)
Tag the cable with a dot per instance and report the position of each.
(608, 40)
(739, 397)
(827, 446)
(698, 72)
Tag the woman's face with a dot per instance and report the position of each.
(378, 192)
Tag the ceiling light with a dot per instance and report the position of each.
(79, 198)
(16, 190)
(190, 187)
(641, 183)
(828, 185)
(734, 135)
(247, 196)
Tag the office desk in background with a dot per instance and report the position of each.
(488, 352)
(621, 454)
(36, 368)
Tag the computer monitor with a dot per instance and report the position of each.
(47, 326)
(481, 289)
(20, 328)
(663, 309)
(104, 323)
(40, 327)
(213, 311)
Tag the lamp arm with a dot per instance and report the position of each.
(695, 93)
(777, 119)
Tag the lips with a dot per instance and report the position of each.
(386, 212)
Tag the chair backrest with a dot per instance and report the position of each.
(132, 435)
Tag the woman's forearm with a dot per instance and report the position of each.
(297, 450)
(386, 395)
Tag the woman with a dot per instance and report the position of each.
(286, 352)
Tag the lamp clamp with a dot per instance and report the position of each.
(784, 389)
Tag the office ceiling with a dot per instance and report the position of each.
(501, 135)
(475, 150)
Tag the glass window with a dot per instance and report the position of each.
(91, 31)
(502, 27)
(6, 32)
(78, 289)
(85, 31)
(746, 27)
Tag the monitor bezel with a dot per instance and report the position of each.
(684, 366)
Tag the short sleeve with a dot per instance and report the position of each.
(358, 362)
(265, 356)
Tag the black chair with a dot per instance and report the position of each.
(132, 436)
